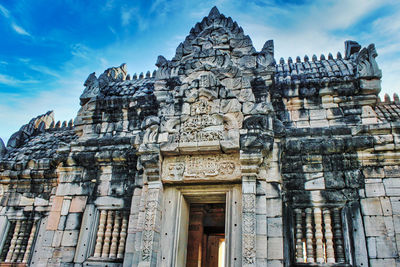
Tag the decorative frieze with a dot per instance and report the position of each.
(201, 167)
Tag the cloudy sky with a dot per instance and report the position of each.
(48, 48)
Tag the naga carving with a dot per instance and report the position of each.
(91, 88)
(266, 57)
(366, 64)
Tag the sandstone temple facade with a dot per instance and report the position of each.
(223, 156)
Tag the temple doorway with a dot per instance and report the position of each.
(201, 217)
(206, 235)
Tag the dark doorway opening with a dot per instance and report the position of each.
(206, 237)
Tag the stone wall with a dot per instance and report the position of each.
(303, 154)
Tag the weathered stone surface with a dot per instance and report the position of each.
(294, 149)
(3, 148)
(70, 238)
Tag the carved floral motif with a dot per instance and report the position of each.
(149, 225)
(222, 166)
(193, 129)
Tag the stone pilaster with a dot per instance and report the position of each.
(249, 165)
(151, 231)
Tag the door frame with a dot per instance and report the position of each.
(175, 221)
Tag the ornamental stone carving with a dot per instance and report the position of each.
(366, 63)
(201, 168)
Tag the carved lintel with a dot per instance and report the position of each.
(201, 167)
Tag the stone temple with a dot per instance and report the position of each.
(223, 156)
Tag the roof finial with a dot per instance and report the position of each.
(387, 98)
(314, 58)
(396, 98)
(214, 13)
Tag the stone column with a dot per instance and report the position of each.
(150, 245)
(249, 165)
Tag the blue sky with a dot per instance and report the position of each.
(48, 48)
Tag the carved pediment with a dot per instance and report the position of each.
(215, 80)
(215, 32)
(207, 122)
(217, 42)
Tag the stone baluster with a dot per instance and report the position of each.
(122, 237)
(13, 241)
(299, 235)
(318, 235)
(309, 236)
(330, 253)
(107, 235)
(115, 235)
(7, 242)
(24, 240)
(338, 236)
(18, 243)
(29, 244)
(100, 233)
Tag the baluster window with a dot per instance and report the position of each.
(18, 241)
(318, 237)
(111, 235)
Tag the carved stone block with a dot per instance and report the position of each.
(195, 168)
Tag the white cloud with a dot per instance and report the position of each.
(133, 15)
(338, 14)
(44, 70)
(4, 11)
(11, 81)
(19, 29)
(27, 108)
(126, 15)
(81, 51)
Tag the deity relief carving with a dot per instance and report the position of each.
(175, 170)
(200, 107)
(201, 126)
(207, 121)
(201, 167)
